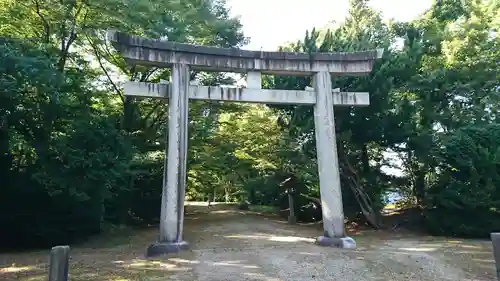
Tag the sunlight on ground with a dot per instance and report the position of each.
(419, 249)
(258, 276)
(222, 212)
(175, 264)
(308, 254)
(459, 246)
(273, 238)
(155, 265)
(235, 263)
(484, 260)
(471, 247)
(177, 260)
(204, 203)
(14, 269)
(231, 249)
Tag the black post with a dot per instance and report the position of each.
(59, 263)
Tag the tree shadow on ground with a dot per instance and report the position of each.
(119, 258)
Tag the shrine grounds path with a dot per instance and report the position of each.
(227, 244)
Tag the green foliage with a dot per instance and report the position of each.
(468, 165)
(61, 157)
(67, 167)
(75, 154)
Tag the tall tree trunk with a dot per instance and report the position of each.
(5, 156)
(252, 195)
(226, 193)
(128, 114)
(419, 186)
(365, 160)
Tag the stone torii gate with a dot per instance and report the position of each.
(182, 58)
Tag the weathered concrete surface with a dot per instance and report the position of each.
(174, 179)
(59, 263)
(254, 80)
(139, 50)
(495, 240)
(161, 248)
(336, 242)
(328, 166)
(250, 95)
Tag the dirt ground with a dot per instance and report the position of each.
(235, 245)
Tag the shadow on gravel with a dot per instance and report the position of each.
(227, 244)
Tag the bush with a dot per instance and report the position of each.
(465, 198)
(466, 223)
(60, 156)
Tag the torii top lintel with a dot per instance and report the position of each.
(140, 50)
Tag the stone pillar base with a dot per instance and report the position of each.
(337, 242)
(161, 248)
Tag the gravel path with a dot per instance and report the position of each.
(246, 247)
(231, 245)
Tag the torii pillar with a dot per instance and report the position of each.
(182, 58)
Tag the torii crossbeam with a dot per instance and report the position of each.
(182, 58)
